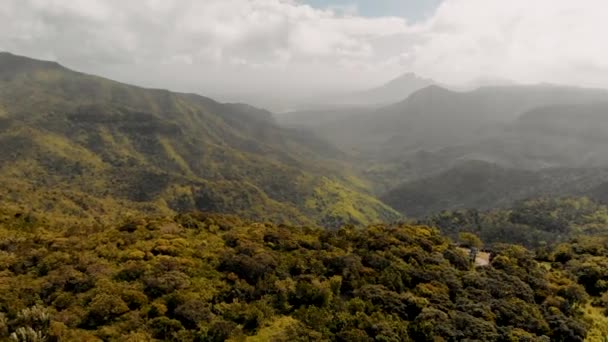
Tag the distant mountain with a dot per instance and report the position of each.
(394, 91)
(569, 135)
(435, 129)
(80, 145)
(337, 107)
(435, 117)
(481, 185)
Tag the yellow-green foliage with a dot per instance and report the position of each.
(599, 329)
(274, 331)
(533, 223)
(174, 156)
(132, 150)
(585, 261)
(338, 204)
(217, 277)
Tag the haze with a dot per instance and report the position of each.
(303, 170)
(260, 51)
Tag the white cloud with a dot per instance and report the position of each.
(285, 47)
(253, 42)
(530, 41)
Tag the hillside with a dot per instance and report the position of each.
(556, 136)
(571, 135)
(517, 127)
(481, 185)
(220, 278)
(83, 146)
(436, 117)
(534, 223)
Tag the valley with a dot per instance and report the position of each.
(134, 214)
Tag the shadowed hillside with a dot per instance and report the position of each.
(435, 117)
(81, 145)
(480, 185)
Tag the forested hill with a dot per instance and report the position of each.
(482, 185)
(534, 223)
(219, 278)
(82, 146)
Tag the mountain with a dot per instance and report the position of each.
(481, 185)
(555, 136)
(84, 146)
(435, 128)
(436, 117)
(338, 107)
(394, 91)
(573, 134)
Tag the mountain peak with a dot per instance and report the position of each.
(409, 77)
(429, 91)
(396, 89)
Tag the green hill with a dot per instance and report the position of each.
(533, 223)
(481, 185)
(82, 146)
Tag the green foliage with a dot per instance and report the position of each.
(217, 277)
(469, 240)
(86, 148)
(586, 265)
(110, 231)
(484, 186)
(533, 223)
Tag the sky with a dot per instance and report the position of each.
(413, 10)
(279, 49)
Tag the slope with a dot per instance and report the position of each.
(481, 185)
(75, 144)
(523, 127)
(436, 117)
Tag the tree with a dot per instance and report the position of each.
(469, 240)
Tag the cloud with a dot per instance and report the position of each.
(208, 34)
(209, 46)
(285, 47)
(528, 41)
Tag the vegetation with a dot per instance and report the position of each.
(131, 214)
(202, 277)
(480, 185)
(87, 148)
(532, 223)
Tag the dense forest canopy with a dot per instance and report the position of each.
(214, 278)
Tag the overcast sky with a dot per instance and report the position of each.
(304, 47)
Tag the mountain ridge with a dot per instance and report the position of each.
(110, 144)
